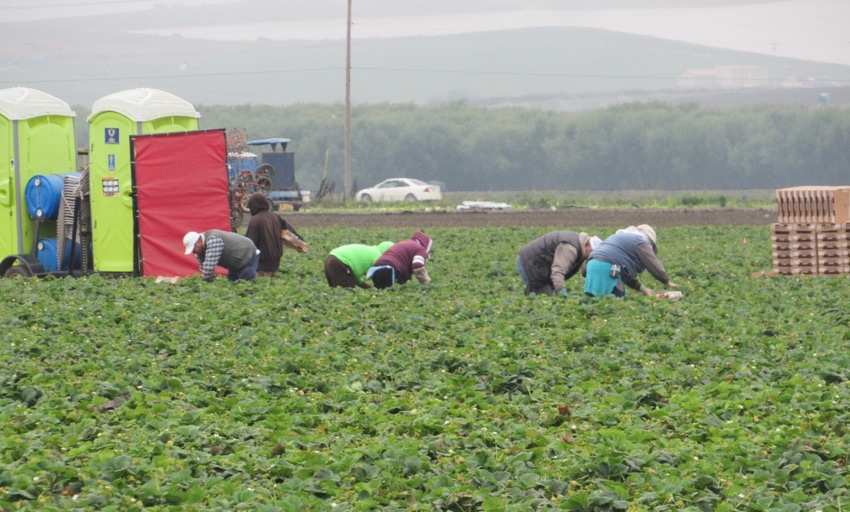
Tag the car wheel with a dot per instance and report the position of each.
(366, 198)
(410, 198)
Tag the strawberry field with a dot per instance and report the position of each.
(465, 395)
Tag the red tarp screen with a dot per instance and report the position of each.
(181, 185)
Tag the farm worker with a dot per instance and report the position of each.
(346, 266)
(264, 229)
(402, 261)
(232, 251)
(620, 258)
(548, 261)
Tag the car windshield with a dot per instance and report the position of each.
(419, 182)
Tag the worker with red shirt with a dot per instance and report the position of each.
(402, 261)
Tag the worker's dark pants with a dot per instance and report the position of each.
(338, 273)
(248, 272)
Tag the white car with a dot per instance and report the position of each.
(401, 189)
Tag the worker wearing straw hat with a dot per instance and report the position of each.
(618, 260)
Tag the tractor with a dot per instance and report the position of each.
(273, 174)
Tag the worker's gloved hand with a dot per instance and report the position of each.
(563, 292)
(422, 275)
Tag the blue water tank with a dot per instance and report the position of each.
(43, 194)
(48, 249)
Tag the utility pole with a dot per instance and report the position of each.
(348, 193)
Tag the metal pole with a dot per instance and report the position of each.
(348, 107)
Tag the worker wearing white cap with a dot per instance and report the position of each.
(618, 260)
(215, 248)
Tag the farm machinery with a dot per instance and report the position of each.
(273, 174)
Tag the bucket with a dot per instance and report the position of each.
(44, 195)
(48, 250)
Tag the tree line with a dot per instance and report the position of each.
(641, 146)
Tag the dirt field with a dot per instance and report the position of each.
(567, 218)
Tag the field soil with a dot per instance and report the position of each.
(566, 218)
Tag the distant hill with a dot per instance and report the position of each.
(84, 59)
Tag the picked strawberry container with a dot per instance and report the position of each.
(675, 295)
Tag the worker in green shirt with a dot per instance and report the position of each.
(346, 266)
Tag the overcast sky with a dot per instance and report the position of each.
(23, 10)
(804, 29)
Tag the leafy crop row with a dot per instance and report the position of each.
(283, 394)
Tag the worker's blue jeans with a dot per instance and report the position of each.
(248, 272)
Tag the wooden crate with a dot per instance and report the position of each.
(797, 254)
(811, 247)
(833, 232)
(794, 246)
(834, 271)
(793, 233)
(832, 245)
(293, 242)
(792, 271)
(833, 248)
(813, 204)
(789, 266)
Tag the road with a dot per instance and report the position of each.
(570, 217)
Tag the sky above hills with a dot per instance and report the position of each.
(801, 29)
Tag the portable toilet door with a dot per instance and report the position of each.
(36, 137)
(114, 118)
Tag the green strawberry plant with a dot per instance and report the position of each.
(284, 394)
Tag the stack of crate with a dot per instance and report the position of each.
(794, 248)
(811, 236)
(833, 249)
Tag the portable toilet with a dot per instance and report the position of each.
(114, 118)
(36, 138)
